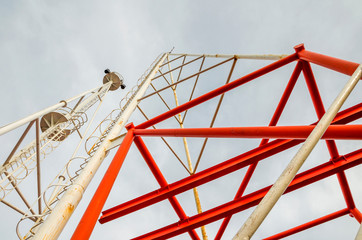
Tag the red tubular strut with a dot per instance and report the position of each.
(356, 214)
(310, 224)
(317, 102)
(336, 64)
(332, 147)
(351, 132)
(162, 181)
(90, 216)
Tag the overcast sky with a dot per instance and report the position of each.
(52, 50)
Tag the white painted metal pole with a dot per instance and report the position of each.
(238, 56)
(359, 234)
(262, 210)
(84, 93)
(36, 115)
(31, 117)
(56, 221)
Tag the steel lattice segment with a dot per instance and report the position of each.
(303, 179)
(162, 181)
(216, 171)
(310, 224)
(199, 178)
(219, 91)
(21, 163)
(293, 135)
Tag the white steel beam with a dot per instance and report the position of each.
(36, 115)
(38, 172)
(359, 233)
(56, 221)
(237, 56)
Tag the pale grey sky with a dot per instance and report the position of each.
(52, 50)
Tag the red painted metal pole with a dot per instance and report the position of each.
(317, 102)
(303, 179)
(310, 224)
(162, 181)
(356, 214)
(349, 115)
(219, 91)
(350, 132)
(346, 191)
(216, 171)
(90, 216)
(336, 64)
(332, 147)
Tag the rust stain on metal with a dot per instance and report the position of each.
(70, 208)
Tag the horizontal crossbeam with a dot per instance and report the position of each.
(350, 132)
(310, 224)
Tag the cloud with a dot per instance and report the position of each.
(54, 50)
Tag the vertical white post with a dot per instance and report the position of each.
(262, 210)
(56, 221)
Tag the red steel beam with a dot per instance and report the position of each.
(303, 179)
(90, 216)
(162, 181)
(336, 64)
(274, 120)
(356, 214)
(212, 173)
(219, 91)
(332, 147)
(346, 191)
(349, 115)
(350, 132)
(310, 224)
(318, 103)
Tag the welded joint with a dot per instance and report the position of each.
(355, 213)
(130, 126)
(183, 221)
(336, 160)
(298, 48)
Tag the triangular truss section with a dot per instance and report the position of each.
(185, 112)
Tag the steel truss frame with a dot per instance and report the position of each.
(22, 161)
(286, 137)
